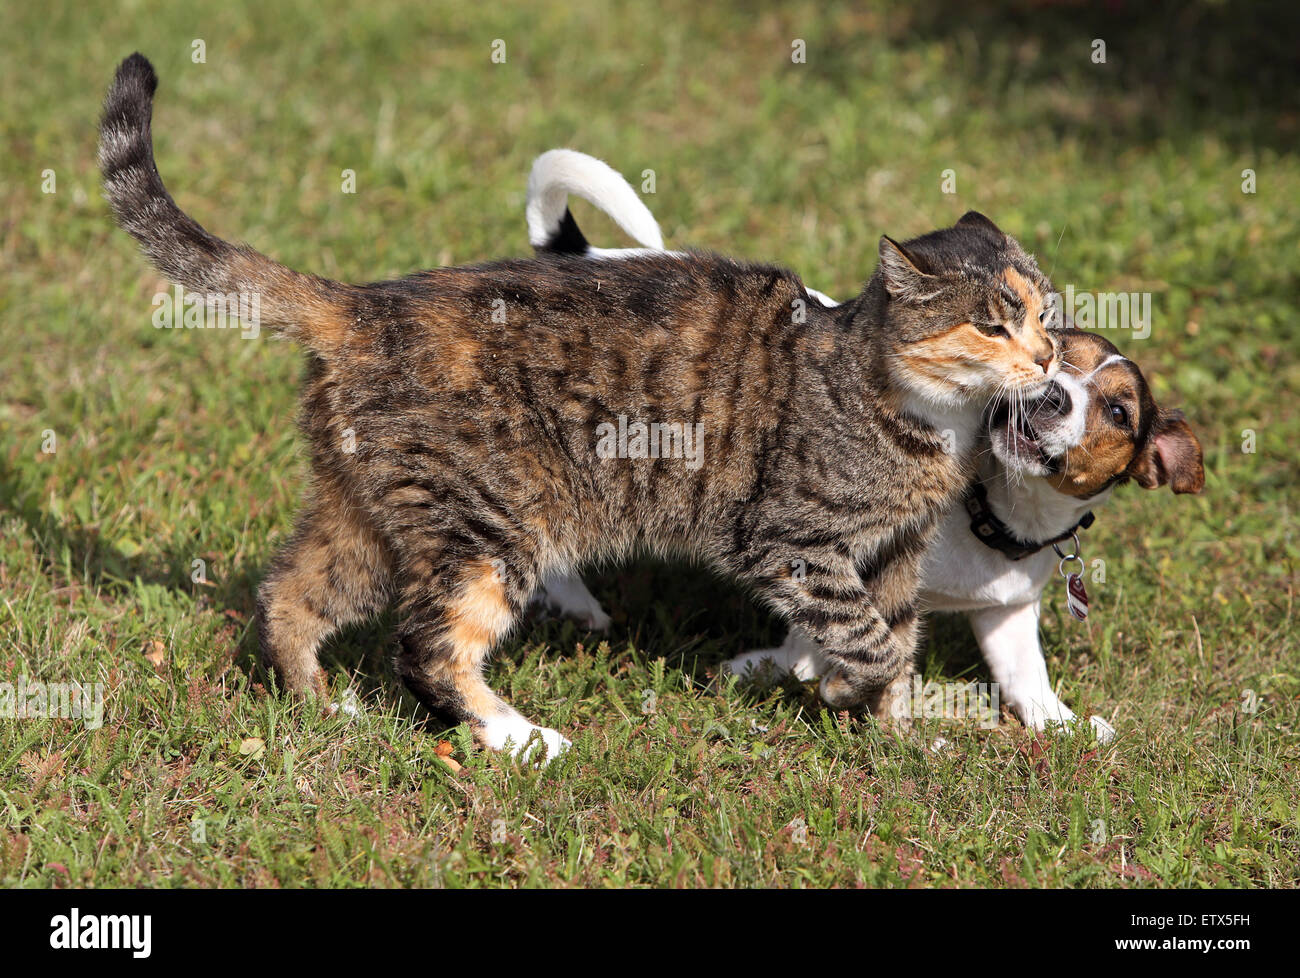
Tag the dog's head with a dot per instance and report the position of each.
(1096, 426)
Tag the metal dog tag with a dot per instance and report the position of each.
(1076, 596)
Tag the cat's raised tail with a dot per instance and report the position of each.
(310, 309)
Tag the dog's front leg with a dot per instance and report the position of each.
(1008, 637)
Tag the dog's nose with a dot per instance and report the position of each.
(1057, 399)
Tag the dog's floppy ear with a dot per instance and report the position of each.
(1172, 455)
(974, 219)
(904, 278)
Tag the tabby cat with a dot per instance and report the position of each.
(471, 429)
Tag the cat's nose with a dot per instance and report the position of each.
(1045, 357)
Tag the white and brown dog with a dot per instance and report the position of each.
(1048, 464)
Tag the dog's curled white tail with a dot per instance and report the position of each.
(560, 172)
(551, 227)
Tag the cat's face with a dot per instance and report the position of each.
(967, 314)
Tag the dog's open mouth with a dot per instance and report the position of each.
(1020, 439)
(1019, 432)
(1024, 439)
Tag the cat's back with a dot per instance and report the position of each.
(583, 293)
(545, 371)
(659, 329)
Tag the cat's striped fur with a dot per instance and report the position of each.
(453, 419)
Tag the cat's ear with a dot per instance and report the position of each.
(974, 219)
(1172, 455)
(903, 278)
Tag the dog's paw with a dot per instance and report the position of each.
(1104, 731)
(775, 663)
(566, 596)
(1057, 717)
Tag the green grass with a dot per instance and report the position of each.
(177, 446)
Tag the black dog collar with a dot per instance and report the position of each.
(992, 532)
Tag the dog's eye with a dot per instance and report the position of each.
(1119, 415)
(993, 329)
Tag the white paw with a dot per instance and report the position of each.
(348, 705)
(1105, 732)
(567, 596)
(749, 663)
(1041, 717)
(595, 620)
(779, 661)
(1059, 717)
(544, 745)
(520, 739)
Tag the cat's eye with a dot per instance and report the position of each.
(1047, 315)
(993, 329)
(1119, 415)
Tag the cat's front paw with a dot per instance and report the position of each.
(522, 740)
(594, 620)
(892, 705)
(544, 745)
(889, 705)
(841, 694)
(1044, 716)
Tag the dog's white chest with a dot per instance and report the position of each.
(962, 574)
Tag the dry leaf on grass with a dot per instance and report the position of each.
(443, 753)
(156, 652)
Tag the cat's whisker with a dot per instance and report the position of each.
(1056, 247)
